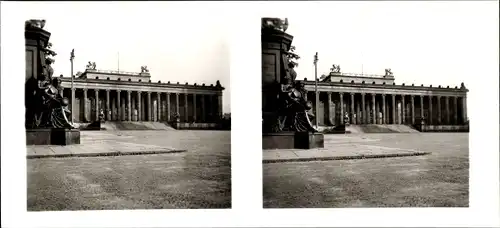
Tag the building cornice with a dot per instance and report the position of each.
(158, 84)
(384, 88)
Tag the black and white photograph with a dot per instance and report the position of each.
(373, 114)
(126, 113)
(249, 114)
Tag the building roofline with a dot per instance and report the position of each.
(145, 83)
(388, 86)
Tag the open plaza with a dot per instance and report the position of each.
(196, 175)
(438, 179)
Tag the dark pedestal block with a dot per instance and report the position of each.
(292, 140)
(52, 136)
(285, 140)
(309, 140)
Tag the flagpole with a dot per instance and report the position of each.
(316, 87)
(72, 56)
(118, 61)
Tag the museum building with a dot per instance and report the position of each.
(360, 96)
(129, 96)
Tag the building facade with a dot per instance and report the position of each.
(376, 99)
(128, 96)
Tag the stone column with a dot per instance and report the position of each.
(85, 105)
(464, 109)
(194, 107)
(341, 108)
(353, 120)
(439, 110)
(186, 107)
(455, 110)
(168, 106)
(219, 102)
(384, 117)
(158, 106)
(393, 96)
(177, 110)
(129, 105)
(363, 107)
(358, 114)
(329, 111)
(118, 105)
(447, 109)
(139, 106)
(203, 117)
(108, 110)
(412, 97)
(377, 108)
(374, 109)
(430, 121)
(403, 109)
(421, 107)
(149, 105)
(96, 104)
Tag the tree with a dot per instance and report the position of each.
(292, 56)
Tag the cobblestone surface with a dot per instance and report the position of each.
(436, 180)
(199, 178)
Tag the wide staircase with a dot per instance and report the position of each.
(380, 128)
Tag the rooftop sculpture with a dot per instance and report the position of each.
(388, 72)
(144, 69)
(335, 68)
(91, 66)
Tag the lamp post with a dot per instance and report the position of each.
(72, 56)
(316, 88)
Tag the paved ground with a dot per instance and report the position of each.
(100, 143)
(198, 178)
(337, 148)
(436, 180)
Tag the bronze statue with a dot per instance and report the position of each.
(293, 109)
(294, 114)
(47, 70)
(35, 23)
(144, 69)
(52, 110)
(275, 23)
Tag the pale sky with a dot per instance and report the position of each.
(438, 43)
(177, 42)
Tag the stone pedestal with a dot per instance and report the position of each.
(35, 41)
(292, 140)
(275, 45)
(275, 65)
(52, 136)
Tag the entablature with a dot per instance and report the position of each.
(386, 89)
(143, 87)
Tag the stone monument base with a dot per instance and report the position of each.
(52, 136)
(292, 140)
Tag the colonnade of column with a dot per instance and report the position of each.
(129, 105)
(371, 108)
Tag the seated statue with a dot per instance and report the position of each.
(295, 114)
(52, 111)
